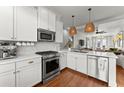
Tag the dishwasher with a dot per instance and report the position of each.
(98, 67)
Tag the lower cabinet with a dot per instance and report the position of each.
(28, 76)
(24, 73)
(7, 79)
(71, 61)
(77, 62)
(81, 63)
(63, 60)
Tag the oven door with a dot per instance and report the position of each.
(50, 67)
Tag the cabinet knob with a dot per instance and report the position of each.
(31, 62)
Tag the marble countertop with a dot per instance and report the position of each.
(19, 58)
(95, 53)
(102, 54)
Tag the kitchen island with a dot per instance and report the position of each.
(100, 65)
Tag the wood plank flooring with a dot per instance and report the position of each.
(71, 78)
(120, 76)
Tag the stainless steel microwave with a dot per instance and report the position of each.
(45, 35)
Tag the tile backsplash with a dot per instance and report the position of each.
(40, 46)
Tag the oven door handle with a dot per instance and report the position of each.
(51, 59)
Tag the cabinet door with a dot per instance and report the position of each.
(52, 21)
(28, 76)
(59, 32)
(92, 66)
(7, 79)
(6, 23)
(81, 63)
(63, 60)
(71, 61)
(26, 23)
(42, 18)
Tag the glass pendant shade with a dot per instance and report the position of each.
(72, 30)
(89, 27)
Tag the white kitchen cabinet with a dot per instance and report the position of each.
(59, 31)
(71, 61)
(6, 23)
(52, 21)
(7, 79)
(63, 60)
(25, 23)
(92, 66)
(43, 15)
(81, 63)
(7, 75)
(77, 62)
(46, 19)
(27, 76)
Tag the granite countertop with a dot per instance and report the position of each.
(19, 58)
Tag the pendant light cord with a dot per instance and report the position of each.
(89, 14)
(73, 20)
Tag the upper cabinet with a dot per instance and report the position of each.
(52, 21)
(18, 23)
(46, 19)
(25, 23)
(6, 23)
(59, 32)
(42, 18)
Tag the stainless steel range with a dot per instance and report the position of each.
(50, 64)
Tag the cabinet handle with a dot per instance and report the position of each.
(31, 62)
(17, 71)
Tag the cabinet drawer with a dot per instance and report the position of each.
(7, 67)
(27, 62)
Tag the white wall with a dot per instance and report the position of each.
(40, 46)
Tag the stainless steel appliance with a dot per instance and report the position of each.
(7, 50)
(45, 35)
(50, 64)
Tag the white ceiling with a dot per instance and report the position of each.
(99, 13)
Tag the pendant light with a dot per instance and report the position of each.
(72, 30)
(89, 26)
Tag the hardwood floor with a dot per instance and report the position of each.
(70, 78)
(120, 76)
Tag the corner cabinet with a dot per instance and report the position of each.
(46, 19)
(77, 61)
(6, 23)
(63, 60)
(25, 23)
